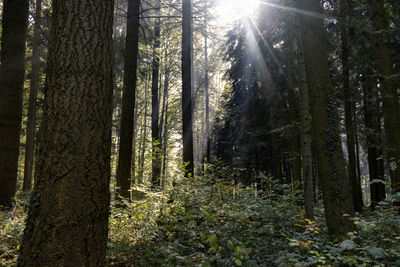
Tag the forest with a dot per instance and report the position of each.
(200, 133)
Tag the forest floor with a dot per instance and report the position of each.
(204, 223)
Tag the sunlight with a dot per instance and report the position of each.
(231, 10)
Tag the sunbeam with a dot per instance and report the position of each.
(295, 10)
(231, 10)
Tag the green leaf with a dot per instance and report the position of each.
(213, 240)
(238, 262)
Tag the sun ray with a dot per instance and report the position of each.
(296, 10)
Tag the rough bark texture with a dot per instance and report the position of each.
(31, 125)
(67, 221)
(391, 109)
(12, 70)
(349, 107)
(155, 104)
(331, 165)
(187, 86)
(128, 100)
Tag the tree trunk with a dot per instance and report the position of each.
(187, 86)
(165, 94)
(277, 162)
(67, 221)
(155, 106)
(12, 71)
(331, 165)
(294, 145)
(374, 140)
(135, 119)
(349, 107)
(206, 92)
(165, 146)
(31, 125)
(128, 100)
(391, 110)
(144, 136)
(306, 137)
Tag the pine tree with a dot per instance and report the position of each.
(67, 220)
(12, 70)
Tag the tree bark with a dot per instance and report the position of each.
(306, 137)
(331, 165)
(187, 86)
(155, 106)
(128, 100)
(12, 71)
(349, 107)
(31, 125)
(391, 109)
(67, 221)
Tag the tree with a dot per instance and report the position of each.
(35, 78)
(128, 100)
(331, 166)
(187, 86)
(12, 70)
(391, 108)
(206, 89)
(67, 221)
(349, 107)
(306, 137)
(155, 104)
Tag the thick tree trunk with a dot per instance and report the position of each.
(31, 125)
(331, 164)
(187, 86)
(391, 109)
(12, 72)
(155, 105)
(67, 221)
(349, 107)
(128, 100)
(306, 137)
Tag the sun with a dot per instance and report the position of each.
(231, 10)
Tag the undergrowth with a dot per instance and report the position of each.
(201, 222)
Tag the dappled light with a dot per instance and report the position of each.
(199, 133)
